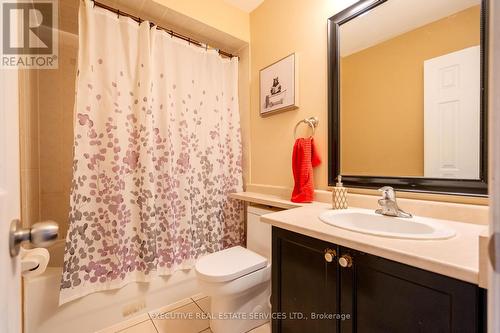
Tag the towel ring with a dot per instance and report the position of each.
(311, 121)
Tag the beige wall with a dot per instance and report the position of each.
(392, 105)
(46, 130)
(28, 142)
(278, 28)
(47, 138)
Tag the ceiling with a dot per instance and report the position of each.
(394, 18)
(245, 5)
(159, 14)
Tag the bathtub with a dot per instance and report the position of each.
(99, 310)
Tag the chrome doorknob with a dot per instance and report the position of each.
(42, 234)
(330, 255)
(345, 260)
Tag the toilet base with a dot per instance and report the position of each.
(241, 313)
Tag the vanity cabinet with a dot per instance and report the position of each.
(303, 282)
(379, 295)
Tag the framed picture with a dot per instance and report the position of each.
(279, 86)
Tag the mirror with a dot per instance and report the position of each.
(407, 95)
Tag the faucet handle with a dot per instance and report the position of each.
(388, 193)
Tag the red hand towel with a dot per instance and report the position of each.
(305, 157)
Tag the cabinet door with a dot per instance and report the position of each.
(385, 296)
(303, 283)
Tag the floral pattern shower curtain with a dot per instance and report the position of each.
(157, 150)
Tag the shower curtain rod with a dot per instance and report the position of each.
(169, 31)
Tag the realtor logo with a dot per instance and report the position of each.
(29, 34)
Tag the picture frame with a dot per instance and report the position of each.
(278, 86)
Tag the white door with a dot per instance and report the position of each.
(10, 276)
(451, 115)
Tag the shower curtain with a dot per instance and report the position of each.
(157, 149)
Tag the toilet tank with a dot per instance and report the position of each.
(259, 233)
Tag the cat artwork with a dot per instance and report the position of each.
(277, 95)
(276, 88)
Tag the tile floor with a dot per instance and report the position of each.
(185, 316)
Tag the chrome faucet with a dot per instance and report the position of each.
(389, 205)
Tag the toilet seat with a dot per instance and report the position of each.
(229, 264)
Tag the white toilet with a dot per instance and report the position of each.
(238, 280)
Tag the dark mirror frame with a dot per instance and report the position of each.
(411, 184)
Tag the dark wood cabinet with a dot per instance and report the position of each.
(303, 283)
(377, 294)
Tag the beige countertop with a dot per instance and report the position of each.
(457, 257)
(266, 199)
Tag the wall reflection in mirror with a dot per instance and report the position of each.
(410, 90)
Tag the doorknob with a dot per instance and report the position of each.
(42, 234)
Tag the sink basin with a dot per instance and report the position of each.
(368, 222)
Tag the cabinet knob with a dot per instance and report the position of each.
(330, 255)
(345, 260)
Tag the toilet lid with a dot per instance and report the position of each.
(229, 264)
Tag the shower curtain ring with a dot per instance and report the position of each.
(189, 41)
(118, 12)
